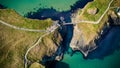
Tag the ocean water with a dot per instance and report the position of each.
(42, 9)
(25, 6)
(107, 55)
(77, 61)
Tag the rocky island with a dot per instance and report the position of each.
(40, 41)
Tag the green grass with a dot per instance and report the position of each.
(116, 3)
(100, 4)
(13, 18)
(90, 31)
(14, 43)
(46, 47)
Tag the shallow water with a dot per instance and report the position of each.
(77, 61)
(107, 56)
(24, 6)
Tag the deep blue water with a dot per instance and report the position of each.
(42, 9)
(105, 56)
(43, 13)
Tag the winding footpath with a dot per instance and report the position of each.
(92, 22)
(24, 29)
(50, 30)
(38, 41)
(25, 57)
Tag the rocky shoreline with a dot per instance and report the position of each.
(78, 42)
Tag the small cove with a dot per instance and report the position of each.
(25, 6)
(106, 56)
(41, 9)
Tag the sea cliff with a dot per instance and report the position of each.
(14, 42)
(86, 36)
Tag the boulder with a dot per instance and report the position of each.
(36, 65)
(92, 11)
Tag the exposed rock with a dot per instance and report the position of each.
(59, 53)
(92, 11)
(46, 51)
(118, 11)
(36, 65)
(114, 19)
(78, 43)
(58, 58)
(77, 39)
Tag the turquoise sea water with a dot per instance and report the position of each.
(24, 6)
(77, 61)
(112, 60)
(107, 56)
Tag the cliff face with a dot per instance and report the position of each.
(14, 43)
(78, 42)
(47, 47)
(86, 35)
(114, 18)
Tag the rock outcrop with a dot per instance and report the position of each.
(92, 11)
(77, 39)
(78, 43)
(20, 41)
(46, 50)
(113, 18)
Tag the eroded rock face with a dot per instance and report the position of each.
(78, 43)
(92, 11)
(46, 49)
(114, 19)
(77, 39)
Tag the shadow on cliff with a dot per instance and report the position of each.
(67, 31)
(107, 45)
(48, 13)
(44, 13)
(67, 37)
(2, 7)
(56, 64)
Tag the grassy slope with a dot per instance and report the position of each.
(14, 43)
(100, 4)
(10, 16)
(116, 3)
(91, 30)
(46, 47)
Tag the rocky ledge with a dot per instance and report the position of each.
(78, 42)
(86, 36)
